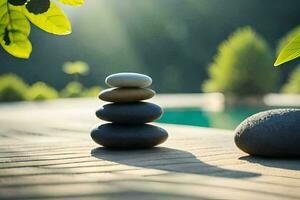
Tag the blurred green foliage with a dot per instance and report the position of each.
(41, 91)
(75, 89)
(72, 90)
(12, 88)
(242, 66)
(293, 84)
(92, 92)
(76, 68)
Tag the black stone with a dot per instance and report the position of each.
(124, 136)
(132, 113)
(38, 6)
(273, 133)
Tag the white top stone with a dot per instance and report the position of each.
(128, 80)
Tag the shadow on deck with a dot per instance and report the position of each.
(167, 160)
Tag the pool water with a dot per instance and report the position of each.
(230, 118)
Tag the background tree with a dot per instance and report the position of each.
(242, 65)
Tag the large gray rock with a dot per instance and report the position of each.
(126, 94)
(128, 80)
(132, 113)
(125, 136)
(273, 133)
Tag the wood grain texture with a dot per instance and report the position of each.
(46, 153)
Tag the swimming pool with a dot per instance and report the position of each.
(227, 119)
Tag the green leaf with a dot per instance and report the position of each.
(4, 18)
(19, 45)
(289, 52)
(17, 28)
(72, 2)
(53, 21)
(18, 21)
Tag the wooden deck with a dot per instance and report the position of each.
(46, 153)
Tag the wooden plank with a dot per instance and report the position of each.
(46, 153)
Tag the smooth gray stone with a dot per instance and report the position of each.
(124, 136)
(128, 80)
(126, 94)
(133, 113)
(273, 133)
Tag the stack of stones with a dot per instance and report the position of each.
(128, 114)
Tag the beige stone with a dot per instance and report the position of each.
(126, 94)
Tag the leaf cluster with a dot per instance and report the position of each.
(15, 18)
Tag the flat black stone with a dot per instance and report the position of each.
(273, 133)
(122, 136)
(129, 113)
